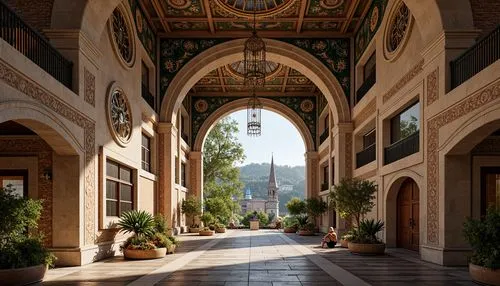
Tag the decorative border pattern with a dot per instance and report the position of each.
(16, 80)
(144, 30)
(467, 105)
(432, 87)
(89, 82)
(348, 152)
(366, 112)
(404, 80)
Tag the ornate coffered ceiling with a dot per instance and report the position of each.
(280, 80)
(275, 18)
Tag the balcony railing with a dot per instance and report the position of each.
(402, 148)
(366, 156)
(365, 87)
(35, 47)
(324, 136)
(148, 97)
(476, 58)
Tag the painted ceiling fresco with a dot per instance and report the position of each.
(369, 27)
(275, 18)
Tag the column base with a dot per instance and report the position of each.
(445, 256)
(85, 255)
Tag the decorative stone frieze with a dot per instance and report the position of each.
(31, 89)
(432, 87)
(464, 107)
(89, 94)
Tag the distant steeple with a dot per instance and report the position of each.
(272, 176)
(248, 194)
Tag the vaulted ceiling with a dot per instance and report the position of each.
(275, 18)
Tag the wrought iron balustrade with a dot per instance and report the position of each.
(34, 46)
(485, 52)
(366, 86)
(366, 156)
(402, 148)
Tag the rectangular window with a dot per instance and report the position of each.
(176, 170)
(369, 139)
(405, 123)
(370, 67)
(16, 180)
(183, 174)
(146, 153)
(325, 174)
(326, 122)
(119, 189)
(145, 75)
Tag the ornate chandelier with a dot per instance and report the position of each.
(254, 62)
(253, 116)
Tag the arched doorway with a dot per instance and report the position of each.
(408, 204)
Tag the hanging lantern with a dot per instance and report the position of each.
(254, 124)
(254, 61)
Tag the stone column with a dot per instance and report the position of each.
(312, 166)
(167, 197)
(196, 174)
(342, 148)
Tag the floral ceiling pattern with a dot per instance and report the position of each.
(144, 29)
(369, 27)
(218, 17)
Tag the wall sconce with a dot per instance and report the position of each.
(47, 175)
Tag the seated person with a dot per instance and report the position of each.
(329, 239)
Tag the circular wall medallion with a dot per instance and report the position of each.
(122, 37)
(119, 116)
(397, 30)
(374, 19)
(246, 8)
(307, 105)
(201, 105)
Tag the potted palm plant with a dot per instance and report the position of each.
(290, 224)
(192, 208)
(23, 257)
(484, 236)
(145, 243)
(364, 239)
(305, 227)
(207, 219)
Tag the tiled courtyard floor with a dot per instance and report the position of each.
(265, 257)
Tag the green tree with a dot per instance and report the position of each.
(191, 207)
(315, 207)
(222, 185)
(296, 206)
(408, 127)
(353, 198)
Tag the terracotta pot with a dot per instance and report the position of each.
(484, 275)
(194, 229)
(206, 232)
(171, 248)
(306, 232)
(366, 249)
(290, 230)
(344, 243)
(220, 230)
(23, 276)
(145, 254)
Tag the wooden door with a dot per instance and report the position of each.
(408, 215)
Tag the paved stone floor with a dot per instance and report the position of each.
(265, 257)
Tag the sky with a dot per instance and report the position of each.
(279, 137)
